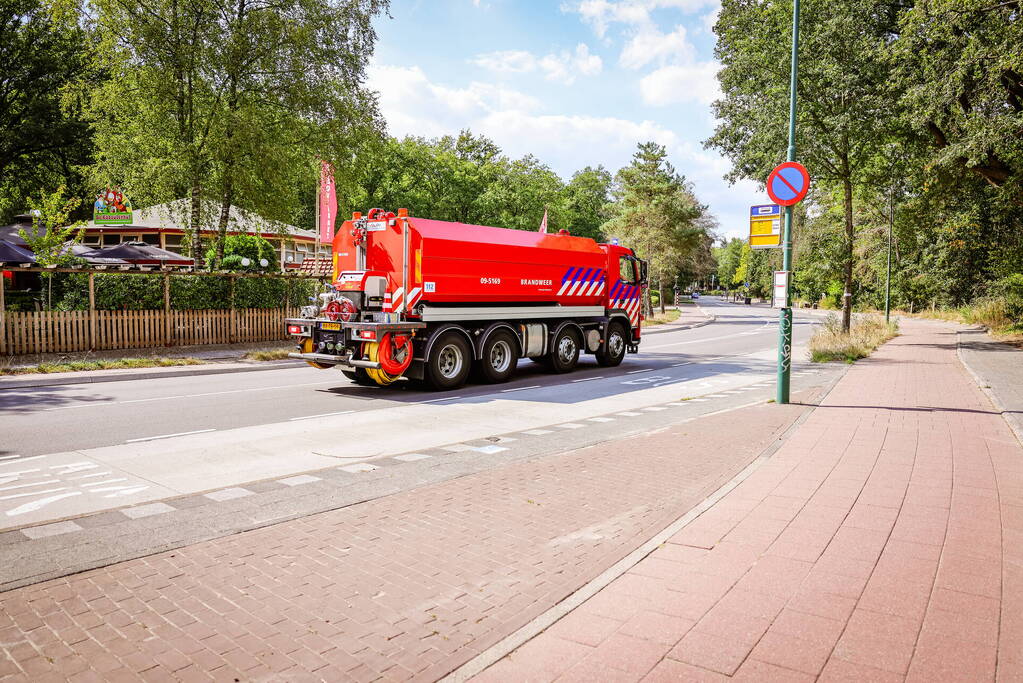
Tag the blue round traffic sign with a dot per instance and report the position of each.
(788, 183)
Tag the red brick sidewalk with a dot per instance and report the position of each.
(883, 541)
(411, 585)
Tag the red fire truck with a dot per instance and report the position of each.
(433, 301)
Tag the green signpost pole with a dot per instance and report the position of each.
(785, 321)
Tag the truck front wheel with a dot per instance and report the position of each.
(565, 354)
(611, 354)
(449, 362)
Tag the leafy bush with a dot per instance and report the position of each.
(127, 291)
(1011, 290)
(237, 247)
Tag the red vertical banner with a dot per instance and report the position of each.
(328, 203)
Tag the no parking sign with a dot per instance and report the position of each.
(788, 183)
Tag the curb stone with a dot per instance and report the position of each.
(982, 383)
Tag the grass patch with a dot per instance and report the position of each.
(272, 354)
(669, 316)
(830, 343)
(86, 365)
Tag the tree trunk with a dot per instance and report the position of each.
(660, 291)
(225, 211)
(847, 295)
(193, 221)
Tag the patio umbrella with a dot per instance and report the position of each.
(12, 253)
(142, 254)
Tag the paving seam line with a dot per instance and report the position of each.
(539, 624)
(985, 387)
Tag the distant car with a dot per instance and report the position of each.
(695, 295)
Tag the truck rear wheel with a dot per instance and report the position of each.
(565, 353)
(612, 352)
(359, 376)
(499, 357)
(449, 362)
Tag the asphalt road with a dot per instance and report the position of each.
(38, 420)
(82, 449)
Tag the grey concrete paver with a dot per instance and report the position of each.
(999, 368)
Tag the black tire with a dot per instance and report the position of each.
(449, 363)
(498, 358)
(359, 376)
(612, 353)
(565, 351)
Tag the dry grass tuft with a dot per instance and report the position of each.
(272, 354)
(830, 343)
(669, 316)
(85, 365)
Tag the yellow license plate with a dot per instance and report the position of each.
(330, 326)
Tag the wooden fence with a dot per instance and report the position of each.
(34, 332)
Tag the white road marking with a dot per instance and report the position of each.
(90, 476)
(634, 372)
(310, 417)
(506, 391)
(587, 379)
(654, 408)
(628, 414)
(33, 493)
(678, 365)
(168, 436)
(570, 425)
(179, 396)
(21, 460)
(41, 503)
(25, 486)
(600, 419)
(537, 432)
(9, 457)
(105, 481)
(443, 398)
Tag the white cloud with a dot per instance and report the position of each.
(650, 45)
(601, 14)
(711, 18)
(413, 105)
(681, 83)
(561, 67)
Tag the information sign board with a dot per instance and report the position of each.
(780, 290)
(765, 226)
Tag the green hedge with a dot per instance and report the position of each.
(126, 291)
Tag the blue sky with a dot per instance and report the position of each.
(574, 82)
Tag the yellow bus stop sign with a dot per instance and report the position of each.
(765, 226)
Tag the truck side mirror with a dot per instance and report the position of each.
(642, 274)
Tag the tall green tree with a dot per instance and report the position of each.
(845, 112)
(656, 212)
(45, 141)
(586, 197)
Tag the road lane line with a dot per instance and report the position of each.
(506, 391)
(168, 436)
(21, 460)
(179, 396)
(310, 417)
(33, 493)
(25, 486)
(587, 379)
(634, 372)
(435, 400)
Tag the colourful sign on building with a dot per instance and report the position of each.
(111, 208)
